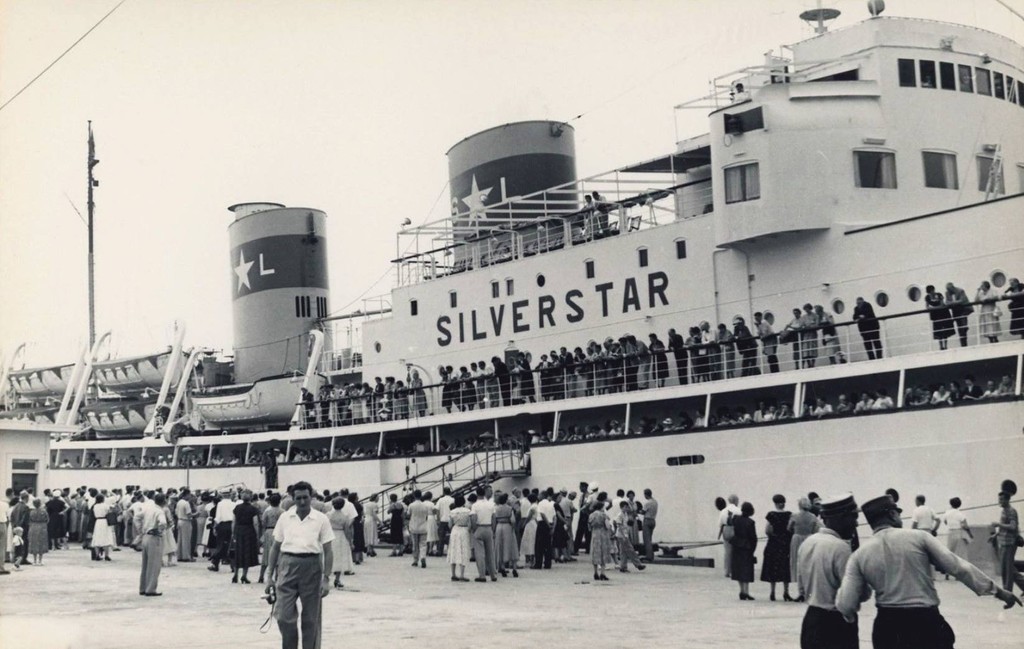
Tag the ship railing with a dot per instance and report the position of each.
(623, 201)
(624, 366)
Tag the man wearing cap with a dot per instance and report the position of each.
(821, 562)
(895, 564)
(300, 565)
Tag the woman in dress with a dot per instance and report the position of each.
(371, 521)
(38, 538)
(357, 538)
(744, 542)
(102, 534)
(989, 313)
(245, 536)
(776, 551)
(560, 532)
(170, 541)
(268, 522)
(432, 535)
(185, 514)
(528, 546)
(459, 544)
(1016, 307)
(341, 525)
(202, 516)
(419, 398)
(938, 312)
(600, 537)
(801, 525)
(396, 514)
(505, 548)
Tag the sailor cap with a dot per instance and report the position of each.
(877, 506)
(837, 505)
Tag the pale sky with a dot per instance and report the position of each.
(344, 106)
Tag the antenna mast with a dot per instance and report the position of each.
(92, 208)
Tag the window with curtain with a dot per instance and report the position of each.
(984, 168)
(940, 170)
(742, 183)
(875, 169)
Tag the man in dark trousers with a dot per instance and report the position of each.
(582, 540)
(821, 563)
(300, 565)
(896, 564)
(867, 324)
(224, 515)
(677, 344)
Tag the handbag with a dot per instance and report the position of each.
(728, 531)
(1020, 541)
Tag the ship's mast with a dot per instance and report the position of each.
(92, 208)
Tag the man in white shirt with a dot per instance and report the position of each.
(224, 514)
(483, 536)
(444, 519)
(300, 564)
(924, 517)
(151, 525)
(545, 525)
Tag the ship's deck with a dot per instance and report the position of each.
(74, 603)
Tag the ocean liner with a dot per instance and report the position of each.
(641, 328)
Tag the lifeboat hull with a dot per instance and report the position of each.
(42, 382)
(136, 374)
(119, 419)
(265, 403)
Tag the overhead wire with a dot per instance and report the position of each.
(62, 55)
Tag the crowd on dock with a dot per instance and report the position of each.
(705, 353)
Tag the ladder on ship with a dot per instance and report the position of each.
(994, 185)
(463, 474)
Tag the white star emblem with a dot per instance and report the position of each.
(476, 198)
(242, 270)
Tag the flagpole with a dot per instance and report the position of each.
(92, 264)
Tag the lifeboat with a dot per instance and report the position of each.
(44, 415)
(265, 403)
(42, 382)
(119, 418)
(135, 374)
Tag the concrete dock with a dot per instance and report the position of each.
(73, 603)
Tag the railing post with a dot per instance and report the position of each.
(1020, 370)
(901, 386)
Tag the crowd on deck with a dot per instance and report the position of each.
(629, 363)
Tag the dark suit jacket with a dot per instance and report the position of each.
(865, 317)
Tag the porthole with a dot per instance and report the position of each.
(377, 346)
(541, 280)
(914, 293)
(769, 317)
(838, 306)
(998, 278)
(882, 299)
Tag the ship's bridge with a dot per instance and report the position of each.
(853, 128)
(615, 203)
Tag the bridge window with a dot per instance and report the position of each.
(588, 265)
(875, 169)
(414, 307)
(684, 460)
(966, 78)
(742, 183)
(947, 76)
(940, 170)
(453, 299)
(908, 79)
(983, 80)
(509, 286)
(928, 74)
(984, 169)
(642, 256)
(495, 289)
(997, 86)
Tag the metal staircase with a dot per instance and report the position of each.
(463, 474)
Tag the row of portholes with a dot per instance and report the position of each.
(997, 278)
